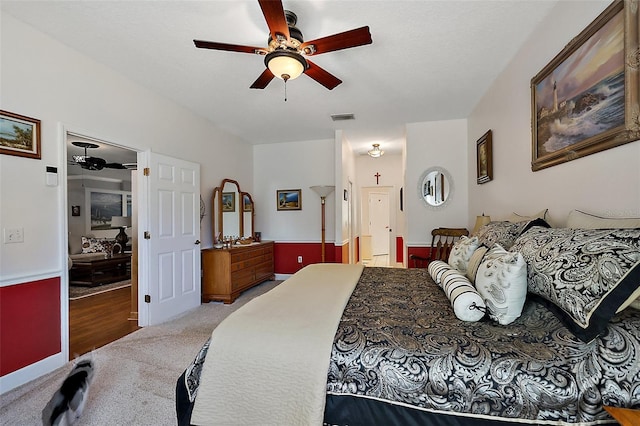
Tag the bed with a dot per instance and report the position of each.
(401, 355)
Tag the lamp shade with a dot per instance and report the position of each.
(376, 151)
(285, 65)
(121, 221)
(322, 190)
(480, 222)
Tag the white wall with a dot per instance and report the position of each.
(67, 91)
(294, 165)
(442, 144)
(345, 174)
(606, 183)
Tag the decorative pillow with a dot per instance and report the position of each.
(436, 269)
(505, 233)
(578, 219)
(466, 302)
(515, 217)
(502, 282)
(461, 253)
(583, 275)
(474, 262)
(91, 245)
(94, 245)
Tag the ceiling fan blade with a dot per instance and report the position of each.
(202, 44)
(323, 77)
(264, 79)
(274, 15)
(345, 40)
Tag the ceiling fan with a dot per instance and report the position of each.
(93, 163)
(286, 51)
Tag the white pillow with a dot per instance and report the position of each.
(515, 217)
(502, 282)
(578, 219)
(466, 301)
(461, 253)
(436, 268)
(474, 262)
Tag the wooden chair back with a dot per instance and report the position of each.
(442, 241)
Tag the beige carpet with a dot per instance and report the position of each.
(135, 378)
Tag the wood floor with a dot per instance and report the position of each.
(97, 320)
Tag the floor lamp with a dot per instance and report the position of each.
(323, 191)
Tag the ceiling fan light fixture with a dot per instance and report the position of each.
(376, 152)
(285, 64)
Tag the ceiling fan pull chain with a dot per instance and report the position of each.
(285, 90)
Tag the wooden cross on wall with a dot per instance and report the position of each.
(377, 175)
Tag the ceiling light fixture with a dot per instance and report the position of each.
(285, 64)
(376, 151)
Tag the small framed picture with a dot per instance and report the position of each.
(289, 199)
(484, 158)
(247, 203)
(228, 201)
(75, 210)
(19, 135)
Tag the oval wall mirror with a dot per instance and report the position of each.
(435, 187)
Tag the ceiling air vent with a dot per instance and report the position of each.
(342, 117)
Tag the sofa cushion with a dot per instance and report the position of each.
(584, 276)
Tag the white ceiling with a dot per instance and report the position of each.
(430, 60)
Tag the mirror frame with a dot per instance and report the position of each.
(449, 180)
(253, 212)
(217, 222)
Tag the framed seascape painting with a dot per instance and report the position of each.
(19, 135)
(289, 199)
(103, 205)
(586, 99)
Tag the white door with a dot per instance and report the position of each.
(379, 222)
(171, 283)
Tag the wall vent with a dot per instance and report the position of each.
(342, 117)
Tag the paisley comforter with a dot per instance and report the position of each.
(400, 356)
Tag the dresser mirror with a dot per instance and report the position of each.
(435, 187)
(233, 211)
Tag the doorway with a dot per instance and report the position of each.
(102, 286)
(377, 218)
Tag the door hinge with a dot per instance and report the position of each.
(147, 298)
(147, 235)
(146, 171)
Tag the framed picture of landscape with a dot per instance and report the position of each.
(586, 99)
(19, 135)
(289, 199)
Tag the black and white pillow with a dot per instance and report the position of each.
(505, 233)
(584, 276)
(461, 253)
(465, 300)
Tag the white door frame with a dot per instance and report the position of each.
(364, 215)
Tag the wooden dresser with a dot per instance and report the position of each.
(229, 272)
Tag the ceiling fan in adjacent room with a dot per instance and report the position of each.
(286, 50)
(93, 163)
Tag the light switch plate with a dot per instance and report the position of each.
(13, 235)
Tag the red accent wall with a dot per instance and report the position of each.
(357, 249)
(286, 255)
(29, 323)
(399, 249)
(419, 251)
